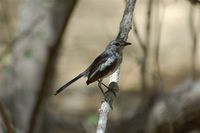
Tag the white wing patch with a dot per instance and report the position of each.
(104, 65)
(107, 63)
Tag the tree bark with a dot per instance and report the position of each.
(33, 58)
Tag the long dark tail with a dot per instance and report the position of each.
(69, 83)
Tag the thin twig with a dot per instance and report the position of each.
(125, 27)
(147, 43)
(194, 37)
(160, 21)
(158, 78)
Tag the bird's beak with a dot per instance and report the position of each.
(126, 43)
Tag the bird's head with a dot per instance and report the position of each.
(117, 45)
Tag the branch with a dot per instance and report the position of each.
(103, 113)
(147, 43)
(125, 27)
(126, 22)
(50, 65)
(194, 36)
(159, 19)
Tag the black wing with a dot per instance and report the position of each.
(99, 60)
(96, 73)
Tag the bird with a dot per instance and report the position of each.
(103, 66)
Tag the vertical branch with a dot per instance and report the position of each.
(158, 78)
(147, 43)
(194, 37)
(148, 26)
(126, 22)
(160, 20)
(103, 117)
(125, 27)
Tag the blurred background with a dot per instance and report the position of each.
(45, 43)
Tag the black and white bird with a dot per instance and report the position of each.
(103, 66)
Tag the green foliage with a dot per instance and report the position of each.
(92, 119)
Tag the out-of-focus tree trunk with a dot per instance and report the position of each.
(40, 27)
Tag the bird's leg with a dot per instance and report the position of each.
(99, 84)
(105, 85)
(109, 89)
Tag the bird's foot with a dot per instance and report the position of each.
(110, 89)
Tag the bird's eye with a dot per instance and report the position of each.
(117, 44)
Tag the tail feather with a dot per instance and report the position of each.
(69, 83)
